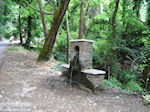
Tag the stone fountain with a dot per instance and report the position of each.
(84, 48)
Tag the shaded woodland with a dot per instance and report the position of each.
(120, 30)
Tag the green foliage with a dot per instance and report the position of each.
(125, 76)
(15, 48)
(61, 42)
(60, 49)
(12, 48)
(132, 86)
(98, 28)
(102, 52)
(7, 26)
(59, 56)
(57, 67)
(113, 83)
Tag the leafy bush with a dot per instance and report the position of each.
(125, 76)
(60, 48)
(59, 56)
(102, 53)
(113, 83)
(132, 86)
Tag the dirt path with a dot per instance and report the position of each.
(25, 82)
(3, 45)
(2, 48)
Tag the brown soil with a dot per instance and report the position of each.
(23, 80)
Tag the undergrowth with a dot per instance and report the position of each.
(15, 48)
(131, 87)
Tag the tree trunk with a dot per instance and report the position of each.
(145, 75)
(29, 30)
(20, 30)
(46, 51)
(113, 23)
(123, 18)
(82, 23)
(5, 9)
(148, 13)
(113, 58)
(86, 14)
(67, 30)
(146, 71)
(124, 11)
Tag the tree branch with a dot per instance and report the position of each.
(51, 4)
(42, 18)
(38, 10)
(140, 20)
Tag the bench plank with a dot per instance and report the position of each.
(87, 71)
(94, 71)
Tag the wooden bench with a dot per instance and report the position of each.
(94, 75)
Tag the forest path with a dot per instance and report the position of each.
(3, 45)
(38, 87)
